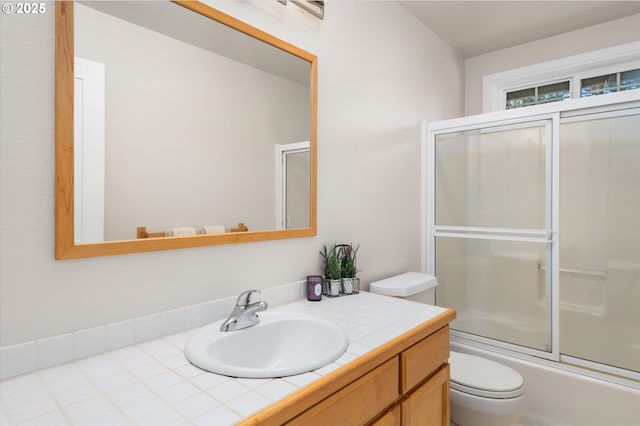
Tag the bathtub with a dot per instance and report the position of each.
(557, 397)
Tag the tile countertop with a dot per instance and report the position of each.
(152, 383)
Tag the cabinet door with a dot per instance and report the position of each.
(428, 405)
(391, 418)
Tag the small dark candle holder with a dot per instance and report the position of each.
(314, 287)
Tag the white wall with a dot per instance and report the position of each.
(380, 73)
(597, 37)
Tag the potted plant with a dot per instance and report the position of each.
(349, 268)
(332, 269)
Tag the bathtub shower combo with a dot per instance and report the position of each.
(532, 221)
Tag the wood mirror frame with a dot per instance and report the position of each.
(65, 245)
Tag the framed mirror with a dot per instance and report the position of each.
(170, 121)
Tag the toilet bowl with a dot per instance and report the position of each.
(482, 392)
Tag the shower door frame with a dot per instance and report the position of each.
(553, 112)
(547, 236)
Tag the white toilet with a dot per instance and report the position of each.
(483, 392)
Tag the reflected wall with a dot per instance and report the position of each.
(190, 134)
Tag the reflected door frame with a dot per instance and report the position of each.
(282, 153)
(89, 150)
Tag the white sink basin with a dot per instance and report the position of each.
(281, 344)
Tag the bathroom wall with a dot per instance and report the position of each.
(380, 73)
(597, 37)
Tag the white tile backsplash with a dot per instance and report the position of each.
(215, 310)
(195, 315)
(229, 305)
(26, 357)
(121, 334)
(148, 327)
(173, 321)
(18, 359)
(89, 342)
(55, 350)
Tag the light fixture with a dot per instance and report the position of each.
(314, 7)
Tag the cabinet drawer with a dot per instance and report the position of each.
(423, 359)
(358, 402)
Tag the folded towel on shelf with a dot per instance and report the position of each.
(213, 230)
(181, 232)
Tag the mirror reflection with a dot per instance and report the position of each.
(176, 130)
(179, 114)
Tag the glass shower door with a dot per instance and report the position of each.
(600, 227)
(492, 228)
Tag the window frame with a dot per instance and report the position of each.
(536, 88)
(573, 68)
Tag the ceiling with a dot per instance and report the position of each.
(478, 27)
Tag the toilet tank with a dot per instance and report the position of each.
(414, 286)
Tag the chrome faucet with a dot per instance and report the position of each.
(245, 313)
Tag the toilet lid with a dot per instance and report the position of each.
(483, 377)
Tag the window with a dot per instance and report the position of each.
(609, 83)
(539, 95)
(614, 69)
(591, 86)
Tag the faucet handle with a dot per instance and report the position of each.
(245, 298)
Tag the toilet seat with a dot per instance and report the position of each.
(484, 378)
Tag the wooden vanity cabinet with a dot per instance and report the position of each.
(424, 384)
(402, 383)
